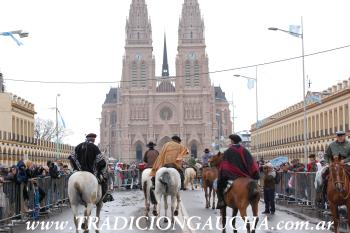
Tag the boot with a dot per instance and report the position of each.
(153, 179)
(220, 193)
(182, 179)
(104, 188)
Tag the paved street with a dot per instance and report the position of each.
(130, 203)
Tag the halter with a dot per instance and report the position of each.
(338, 180)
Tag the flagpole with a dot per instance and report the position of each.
(304, 97)
(57, 127)
(257, 112)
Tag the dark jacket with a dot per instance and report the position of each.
(238, 162)
(150, 157)
(89, 158)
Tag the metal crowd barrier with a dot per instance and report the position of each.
(20, 202)
(297, 187)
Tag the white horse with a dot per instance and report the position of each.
(146, 187)
(190, 176)
(168, 183)
(318, 178)
(83, 189)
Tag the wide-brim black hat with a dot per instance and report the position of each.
(235, 138)
(151, 144)
(206, 150)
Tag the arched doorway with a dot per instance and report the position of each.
(138, 152)
(194, 150)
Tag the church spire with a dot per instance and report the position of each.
(138, 26)
(191, 25)
(165, 68)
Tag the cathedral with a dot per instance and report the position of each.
(146, 107)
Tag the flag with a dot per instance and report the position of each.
(251, 83)
(64, 125)
(294, 30)
(14, 38)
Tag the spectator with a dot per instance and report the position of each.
(12, 175)
(53, 170)
(297, 166)
(269, 189)
(313, 165)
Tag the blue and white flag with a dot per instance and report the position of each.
(294, 30)
(250, 83)
(14, 38)
(64, 125)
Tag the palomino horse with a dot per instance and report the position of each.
(146, 187)
(338, 191)
(168, 183)
(209, 175)
(242, 192)
(190, 176)
(83, 189)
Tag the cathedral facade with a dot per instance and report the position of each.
(146, 107)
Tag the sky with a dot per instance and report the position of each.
(83, 40)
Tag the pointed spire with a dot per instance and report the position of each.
(191, 25)
(165, 68)
(2, 86)
(138, 26)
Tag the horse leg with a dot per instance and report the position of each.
(255, 207)
(243, 212)
(335, 216)
(214, 192)
(192, 181)
(75, 211)
(165, 208)
(210, 192)
(234, 214)
(348, 214)
(206, 196)
(223, 219)
(98, 212)
(178, 200)
(172, 207)
(87, 214)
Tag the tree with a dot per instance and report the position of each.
(46, 130)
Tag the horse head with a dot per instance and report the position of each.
(216, 159)
(337, 174)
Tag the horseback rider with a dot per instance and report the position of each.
(171, 155)
(236, 162)
(88, 157)
(151, 155)
(207, 155)
(341, 148)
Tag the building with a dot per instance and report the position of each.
(150, 108)
(283, 133)
(17, 131)
(246, 138)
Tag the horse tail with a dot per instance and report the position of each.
(253, 190)
(164, 179)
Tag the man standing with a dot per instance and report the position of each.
(171, 155)
(88, 158)
(313, 165)
(236, 162)
(151, 155)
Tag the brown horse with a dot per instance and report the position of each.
(338, 191)
(209, 175)
(243, 191)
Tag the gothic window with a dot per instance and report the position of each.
(196, 74)
(113, 118)
(165, 113)
(139, 152)
(133, 74)
(143, 74)
(187, 73)
(194, 151)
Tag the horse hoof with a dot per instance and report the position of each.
(207, 207)
(176, 212)
(213, 207)
(83, 226)
(155, 213)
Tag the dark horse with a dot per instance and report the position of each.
(209, 175)
(338, 190)
(243, 191)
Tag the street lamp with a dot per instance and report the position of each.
(300, 35)
(256, 105)
(21, 33)
(58, 95)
